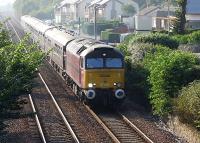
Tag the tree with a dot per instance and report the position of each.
(179, 24)
(128, 10)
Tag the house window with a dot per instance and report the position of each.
(64, 9)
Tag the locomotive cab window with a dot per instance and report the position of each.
(96, 63)
(113, 63)
(93, 63)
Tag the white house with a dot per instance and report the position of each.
(107, 9)
(193, 14)
(70, 10)
(154, 18)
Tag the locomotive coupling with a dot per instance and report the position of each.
(120, 94)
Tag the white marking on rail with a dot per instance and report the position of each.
(37, 120)
(60, 111)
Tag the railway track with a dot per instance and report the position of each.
(119, 128)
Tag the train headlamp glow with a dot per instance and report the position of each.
(117, 84)
(91, 85)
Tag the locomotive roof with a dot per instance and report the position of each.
(83, 46)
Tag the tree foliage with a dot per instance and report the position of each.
(188, 104)
(179, 25)
(18, 64)
(39, 8)
(156, 39)
(169, 71)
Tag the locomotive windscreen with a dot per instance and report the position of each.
(94, 63)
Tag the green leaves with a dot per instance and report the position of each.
(189, 97)
(156, 39)
(18, 63)
(168, 72)
(38, 8)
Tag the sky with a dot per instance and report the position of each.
(5, 2)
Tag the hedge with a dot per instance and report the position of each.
(192, 38)
(188, 104)
(169, 71)
(156, 39)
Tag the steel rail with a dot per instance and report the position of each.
(60, 111)
(113, 137)
(37, 120)
(134, 127)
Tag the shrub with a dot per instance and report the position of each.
(156, 39)
(188, 103)
(124, 45)
(136, 83)
(191, 38)
(181, 39)
(168, 72)
(138, 51)
(194, 38)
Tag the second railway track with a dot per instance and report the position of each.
(52, 124)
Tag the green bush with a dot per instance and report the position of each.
(181, 39)
(156, 39)
(188, 103)
(194, 38)
(139, 50)
(169, 71)
(17, 71)
(136, 86)
(124, 45)
(191, 38)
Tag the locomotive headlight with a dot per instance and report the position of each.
(91, 85)
(117, 84)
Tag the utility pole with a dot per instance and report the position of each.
(95, 21)
(79, 26)
(168, 5)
